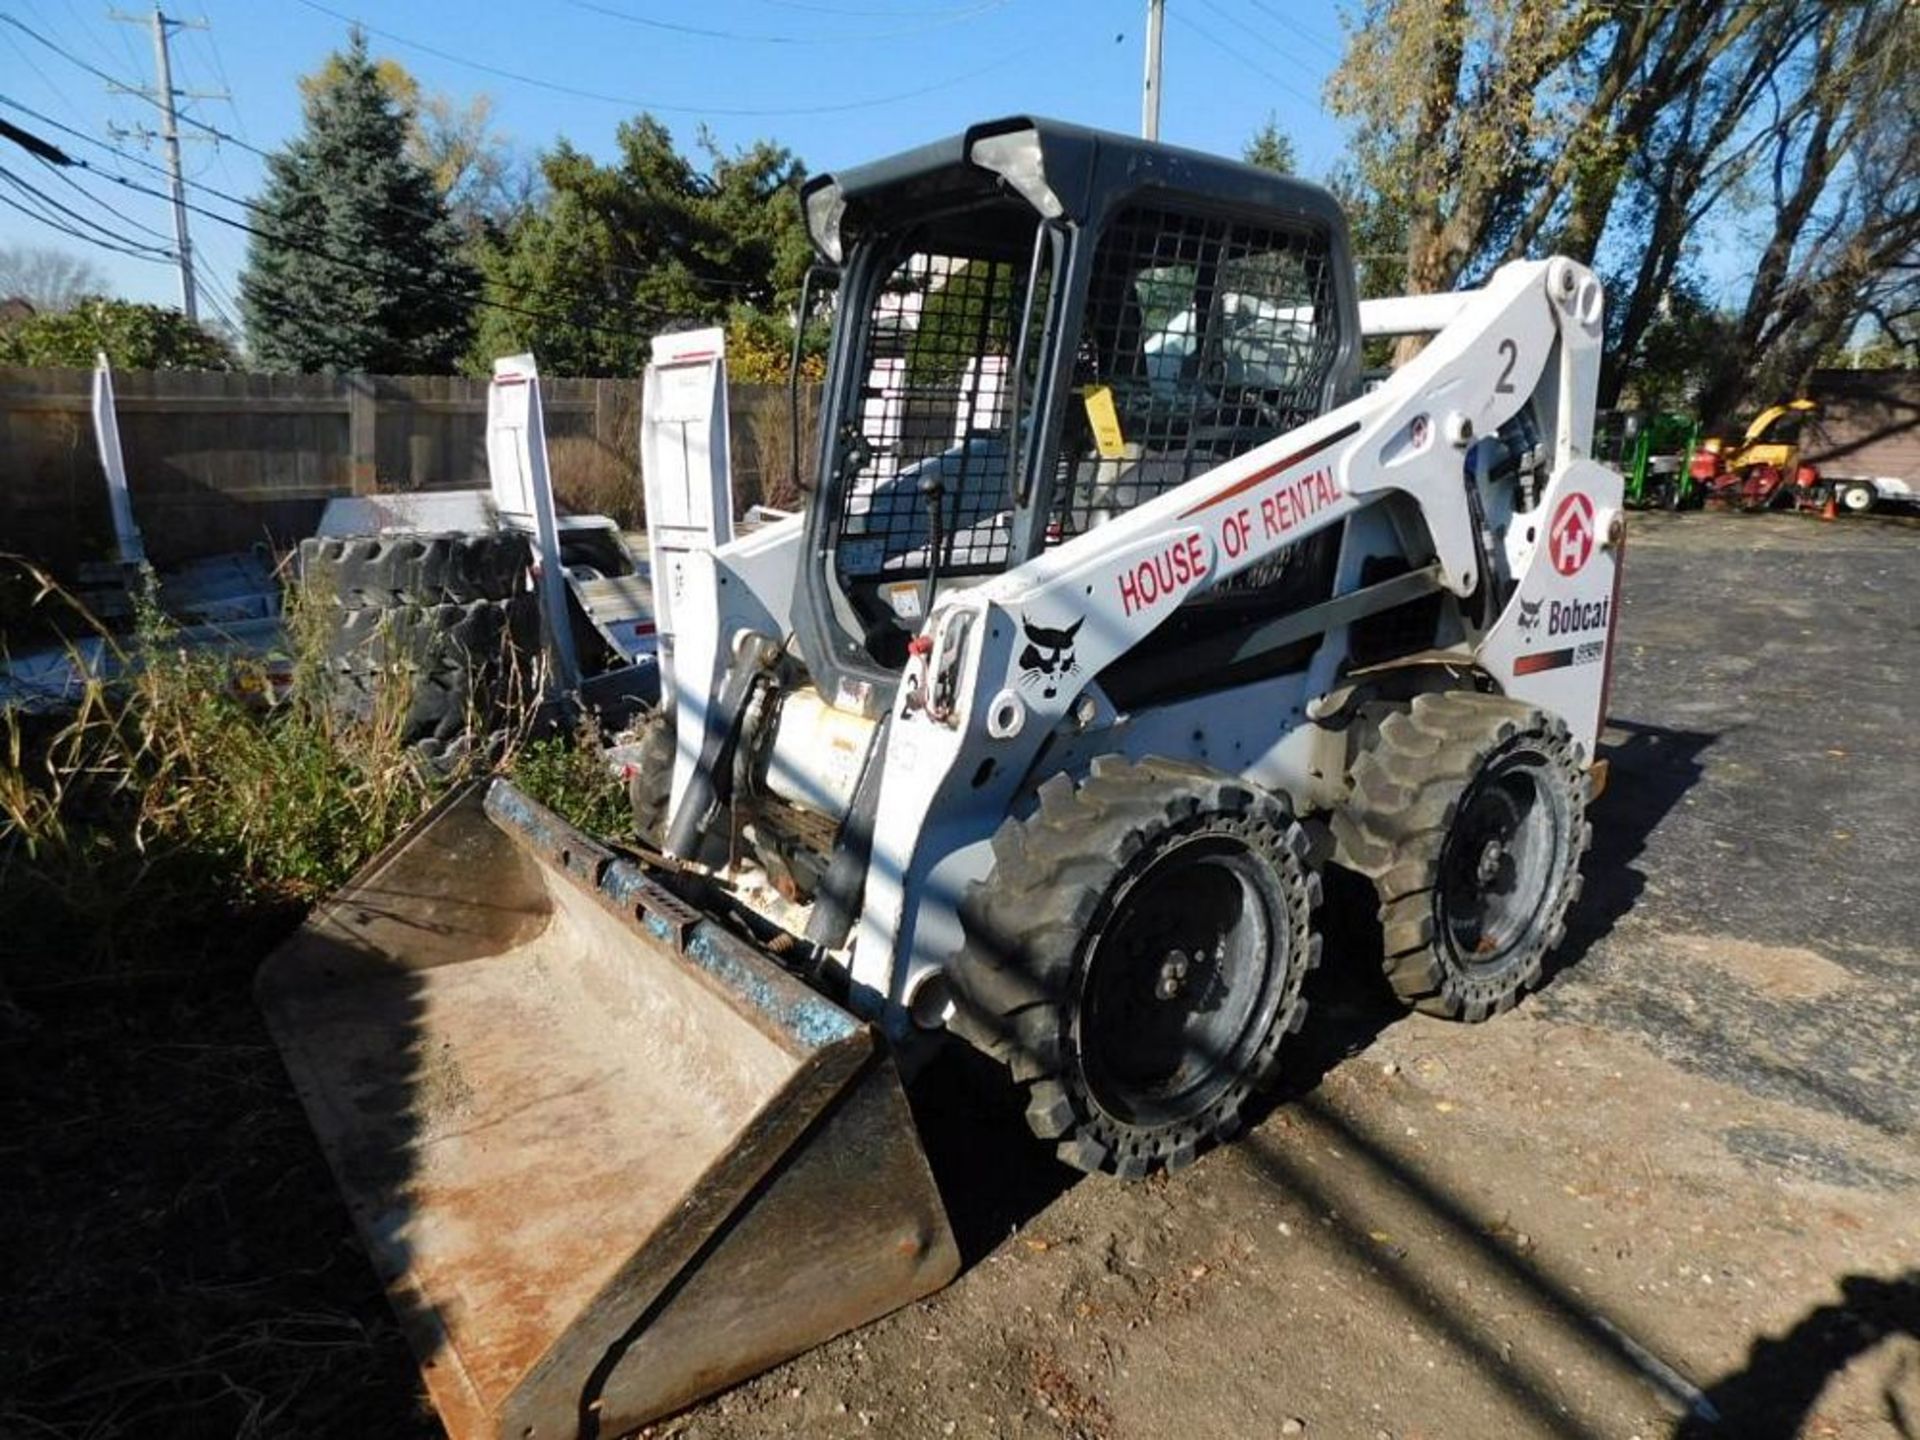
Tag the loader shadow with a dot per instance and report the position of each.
(363, 1170)
(1651, 770)
(1344, 1197)
(1774, 1396)
(183, 1260)
(994, 1174)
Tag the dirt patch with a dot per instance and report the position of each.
(1520, 1228)
(1784, 972)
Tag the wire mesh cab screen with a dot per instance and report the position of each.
(1203, 337)
(933, 410)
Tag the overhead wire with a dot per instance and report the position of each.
(693, 277)
(72, 233)
(73, 216)
(386, 274)
(865, 12)
(633, 103)
(60, 174)
(59, 93)
(954, 17)
(1286, 21)
(1238, 53)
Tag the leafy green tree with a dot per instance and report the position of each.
(1271, 148)
(616, 253)
(134, 337)
(357, 264)
(1489, 130)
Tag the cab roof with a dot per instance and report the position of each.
(1067, 172)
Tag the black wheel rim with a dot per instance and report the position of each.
(1182, 985)
(1498, 865)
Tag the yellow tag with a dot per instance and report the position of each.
(1105, 421)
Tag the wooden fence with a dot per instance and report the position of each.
(220, 461)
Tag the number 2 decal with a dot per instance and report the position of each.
(1504, 385)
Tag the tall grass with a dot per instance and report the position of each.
(195, 804)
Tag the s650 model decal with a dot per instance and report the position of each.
(1585, 654)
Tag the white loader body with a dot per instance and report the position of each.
(952, 766)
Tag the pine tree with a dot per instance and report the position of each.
(356, 264)
(1271, 148)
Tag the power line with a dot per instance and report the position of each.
(1239, 54)
(630, 102)
(27, 60)
(1254, 32)
(204, 40)
(953, 17)
(386, 275)
(1296, 27)
(53, 168)
(1214, 40)
(867, 13)
(66, 230)
(27, 188)
(714, 282)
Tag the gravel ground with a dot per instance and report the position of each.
(1672, 1194)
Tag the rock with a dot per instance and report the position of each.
(1293, 1425)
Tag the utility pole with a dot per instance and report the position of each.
(163, 94)
(1150, 91)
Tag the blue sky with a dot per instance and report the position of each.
(838, 81)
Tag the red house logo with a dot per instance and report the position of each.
(1570, 537)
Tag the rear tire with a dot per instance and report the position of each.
(384, 571)
(438, 628)
(1467, 812)
(1135, 957)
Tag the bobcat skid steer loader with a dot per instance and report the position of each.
(1117, 613)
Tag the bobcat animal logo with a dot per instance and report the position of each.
(1048, 658)
(1530, 614)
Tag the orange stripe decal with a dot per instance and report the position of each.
(1247, 482)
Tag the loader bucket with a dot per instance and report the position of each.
(607, 1155)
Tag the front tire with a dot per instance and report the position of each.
(1467, 812)
(1858, 499)
(1135, 956)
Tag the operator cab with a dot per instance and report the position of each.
(1038, 328)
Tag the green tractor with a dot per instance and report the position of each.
(1652, 450)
